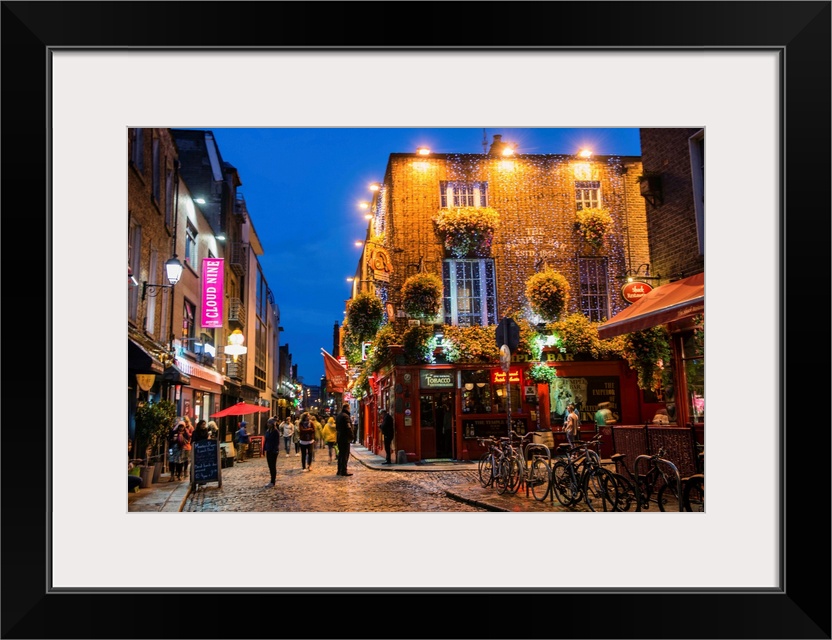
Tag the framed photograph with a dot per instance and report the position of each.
(756, 75)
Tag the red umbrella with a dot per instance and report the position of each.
(240, 409)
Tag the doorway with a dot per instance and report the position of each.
(436, 412)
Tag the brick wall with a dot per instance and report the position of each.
(672, 224)
(535, 197)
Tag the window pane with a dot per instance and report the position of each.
(594, 292)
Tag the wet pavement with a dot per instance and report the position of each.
(450, 486)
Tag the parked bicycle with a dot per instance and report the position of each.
(578, 475)
(693, 487)
(528, 464)
(659, 483)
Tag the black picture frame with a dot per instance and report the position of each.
(799, 30)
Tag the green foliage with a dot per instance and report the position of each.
(467, 231)
(422, 295)
(471, 344)
(364, 315)
(380, 350)
(153, 422)
(530, 339)
(361, 386)
(417, 343)
(593, 225)
(648, 353)
(578, 335)
(352, 346)
(543, 373)
(548, 293)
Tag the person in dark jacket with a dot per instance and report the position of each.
(201, 432)
(343, 429)
(271, 445)
(387, 431)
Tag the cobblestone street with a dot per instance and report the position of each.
(320, 490)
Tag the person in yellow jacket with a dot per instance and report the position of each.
(330, 437)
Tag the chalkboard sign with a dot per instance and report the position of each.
(255, 446)
(206, 463)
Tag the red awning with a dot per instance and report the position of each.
(669, 302)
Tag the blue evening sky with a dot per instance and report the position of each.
(302, 187)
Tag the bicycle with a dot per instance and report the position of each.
(578, 475)
(527, 465)
(489, 461)
(693, 487)
(661, 479)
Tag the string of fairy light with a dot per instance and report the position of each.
(535, 196)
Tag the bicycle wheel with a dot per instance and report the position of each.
(515, 475)
(541, 479)
(486, 470)
(668, 496)
(566, 490)
(626, 493)
(501, 477)
(600, 490)
(693, 495)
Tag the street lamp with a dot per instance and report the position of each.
(235, 346)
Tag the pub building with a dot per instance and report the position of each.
(529, 210)
(440, 410)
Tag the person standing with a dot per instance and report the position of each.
(306, 441)
(604, 416)
(387, 431)
(319, 432)
(242, 441)
(176, 444)
(572, 425)
(287, 430)
(185, 443)
(330, 436)
(271, 445)
(201, 432)
(343, 431)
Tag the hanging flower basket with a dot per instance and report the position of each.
(422, 295)
(467, 231)
(593, 225)
(541, 373)
(548, 293)
(365, 313)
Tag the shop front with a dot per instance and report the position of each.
(440, 411)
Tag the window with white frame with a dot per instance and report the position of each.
(156, 169)
(169, 199)
(190, 244)
(463, 194)
(587, 194)
(470, 294)
(595, 299)
(188, 324)
(134, 248)
(137, 152)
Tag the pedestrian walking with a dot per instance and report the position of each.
(306, 441)
(242, 441)
(271, 444)
(296, 438)
(287, 430)
(343, 430)
(330, 437)
(319, 433)
(387, 431)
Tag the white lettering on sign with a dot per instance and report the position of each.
(632, 291)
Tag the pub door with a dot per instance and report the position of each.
(436, 411)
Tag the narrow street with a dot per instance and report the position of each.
(320, 490)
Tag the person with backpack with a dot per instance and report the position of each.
(306, 441)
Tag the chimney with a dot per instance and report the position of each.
(497, 146)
